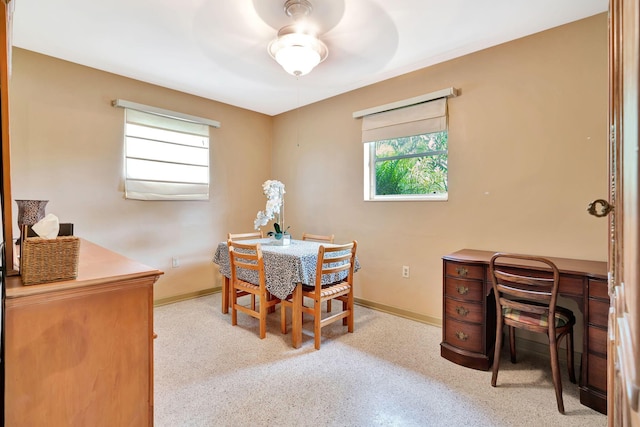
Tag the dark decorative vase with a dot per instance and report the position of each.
(30, 212)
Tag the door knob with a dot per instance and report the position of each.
(599, 208)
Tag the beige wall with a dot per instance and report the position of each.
(527, 154)
(67, 147)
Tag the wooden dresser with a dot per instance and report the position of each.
(469, 317)
(80, 352)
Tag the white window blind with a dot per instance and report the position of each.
(427, 117)
(165, 158)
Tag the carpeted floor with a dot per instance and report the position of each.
(387, 373)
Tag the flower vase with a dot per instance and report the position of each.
(281, 239)
(30, 212)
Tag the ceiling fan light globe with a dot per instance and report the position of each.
(298, 53)
(297, 60)
(297, 48)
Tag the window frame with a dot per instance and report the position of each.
(179, 133)
(369, 189)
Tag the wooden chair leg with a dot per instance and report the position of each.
(350, 317)
(263, 314)
(344, 308)
(283, 318)
(512, 343)
(572, 372)
(226, 293)
(317, 323)
(234, 312)
(272, 308)
(496, 354)
(555, 372)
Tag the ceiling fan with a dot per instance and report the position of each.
(354, 32)
(297, 48)
(359, 37)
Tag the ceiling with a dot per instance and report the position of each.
(218, 49)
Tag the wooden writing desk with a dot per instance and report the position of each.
(469, 317)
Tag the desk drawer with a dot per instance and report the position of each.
(463, 310)
(463, 271)
(469, 290)
(571, 285)
(466, 336)
(598, 313)
(597, 340)
(597, 372)
(598, 289)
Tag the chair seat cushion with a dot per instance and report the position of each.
(534, 318)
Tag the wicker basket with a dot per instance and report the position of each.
(49, 260)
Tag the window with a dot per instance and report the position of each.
(406, 152)
(408, 168)
(166, 157)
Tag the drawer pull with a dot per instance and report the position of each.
(462, 336)
(462, 311)
(462, 271)
(462, 289)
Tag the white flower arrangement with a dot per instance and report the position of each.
(274, 190)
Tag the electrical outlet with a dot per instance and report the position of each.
(174, 262)
(405, 271)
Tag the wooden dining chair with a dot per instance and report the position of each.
(333, 262)
(323, 239)
(527, 301)
(226, 289)
(248, 257)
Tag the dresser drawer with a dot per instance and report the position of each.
(463, 271)
(469, 290)
(463, 310)
(467, 336)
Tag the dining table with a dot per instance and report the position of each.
(287, 268)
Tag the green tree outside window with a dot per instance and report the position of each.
(414, 165)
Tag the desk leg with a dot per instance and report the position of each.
(296, 317)
(226, 292)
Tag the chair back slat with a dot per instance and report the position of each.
(244, 236)
(336, 269)
(531, 294)
(318, 237)
(506, 303)
(540, 282)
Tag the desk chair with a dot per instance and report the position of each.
(226, 289)
(527, 302)
(331, 260)
(319, 238)
(249, 257)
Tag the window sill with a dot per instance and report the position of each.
(410, 198)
